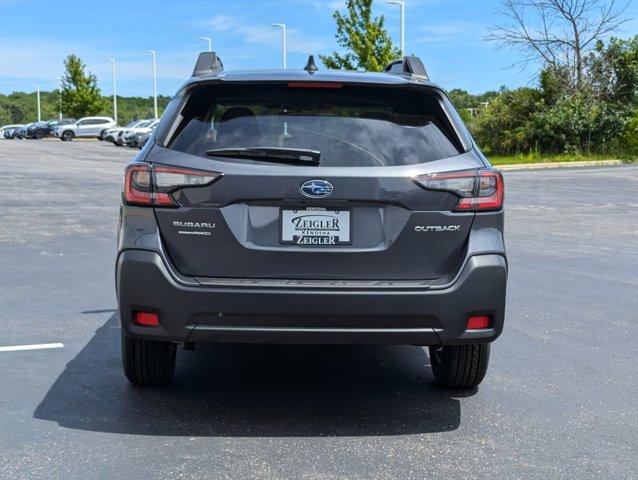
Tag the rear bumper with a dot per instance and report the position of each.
(195, 313)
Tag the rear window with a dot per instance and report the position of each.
(350, 125)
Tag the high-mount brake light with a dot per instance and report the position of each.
(478, 190)
(332, 85)
(152, 185)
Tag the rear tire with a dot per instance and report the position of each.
(460, 366)
(148, 362)
(39, 135)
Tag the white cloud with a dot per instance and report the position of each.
(448, 31)
(377, 5)
(26, 59)
(337, 5)
(331, 5)
(25, 63)
(258, 33)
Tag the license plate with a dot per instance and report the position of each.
(315, 226)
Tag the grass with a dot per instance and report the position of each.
(549, 158)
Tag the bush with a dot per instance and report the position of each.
(504, 126)
(522, 122)
(579, 123)
(629, 142)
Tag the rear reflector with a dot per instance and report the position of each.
(478, 322)
(152, 185)
(146, 319)
(478, 190)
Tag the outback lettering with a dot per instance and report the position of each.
(437, 228)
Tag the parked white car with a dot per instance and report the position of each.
(144, 127)
(111, 134)
(8, 129)
(87, 127)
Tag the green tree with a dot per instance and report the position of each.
(365, 39)
(20, 107)
(555, 83)
(505, 125)
(80, 95)
(613, 70)
(462, 99)
(5, 116)
(468, 104)
(630, 137)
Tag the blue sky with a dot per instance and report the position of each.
(36, 35)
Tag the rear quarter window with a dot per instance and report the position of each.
(351, 125)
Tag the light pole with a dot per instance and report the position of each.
(401, 4)
(154, 54)
(112, 60)
(38, 97)
(210, 42)
(283, 41)
(61, 87)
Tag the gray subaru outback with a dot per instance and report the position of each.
(309, 206)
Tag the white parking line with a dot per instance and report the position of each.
(41, 346)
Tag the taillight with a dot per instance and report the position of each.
(169, 179)
(138, 187)
(478, 190)
(152, 185)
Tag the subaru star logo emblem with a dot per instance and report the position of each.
(317, 188)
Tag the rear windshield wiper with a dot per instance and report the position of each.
(294, 156)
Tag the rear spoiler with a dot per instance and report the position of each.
(208, 63)
(408, 67)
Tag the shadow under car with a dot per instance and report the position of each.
(255, 391)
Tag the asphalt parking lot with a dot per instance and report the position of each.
(559, 400)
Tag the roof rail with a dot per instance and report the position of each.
(409, 66)
(208, 63)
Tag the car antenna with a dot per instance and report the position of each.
(311, 66)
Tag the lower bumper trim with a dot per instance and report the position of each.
(322, 284)
(345, 336)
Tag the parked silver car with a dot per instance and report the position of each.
(130, 137)
(145, 127)
(112, 134)
(87, 127)
(6, 131)
(139, 138)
